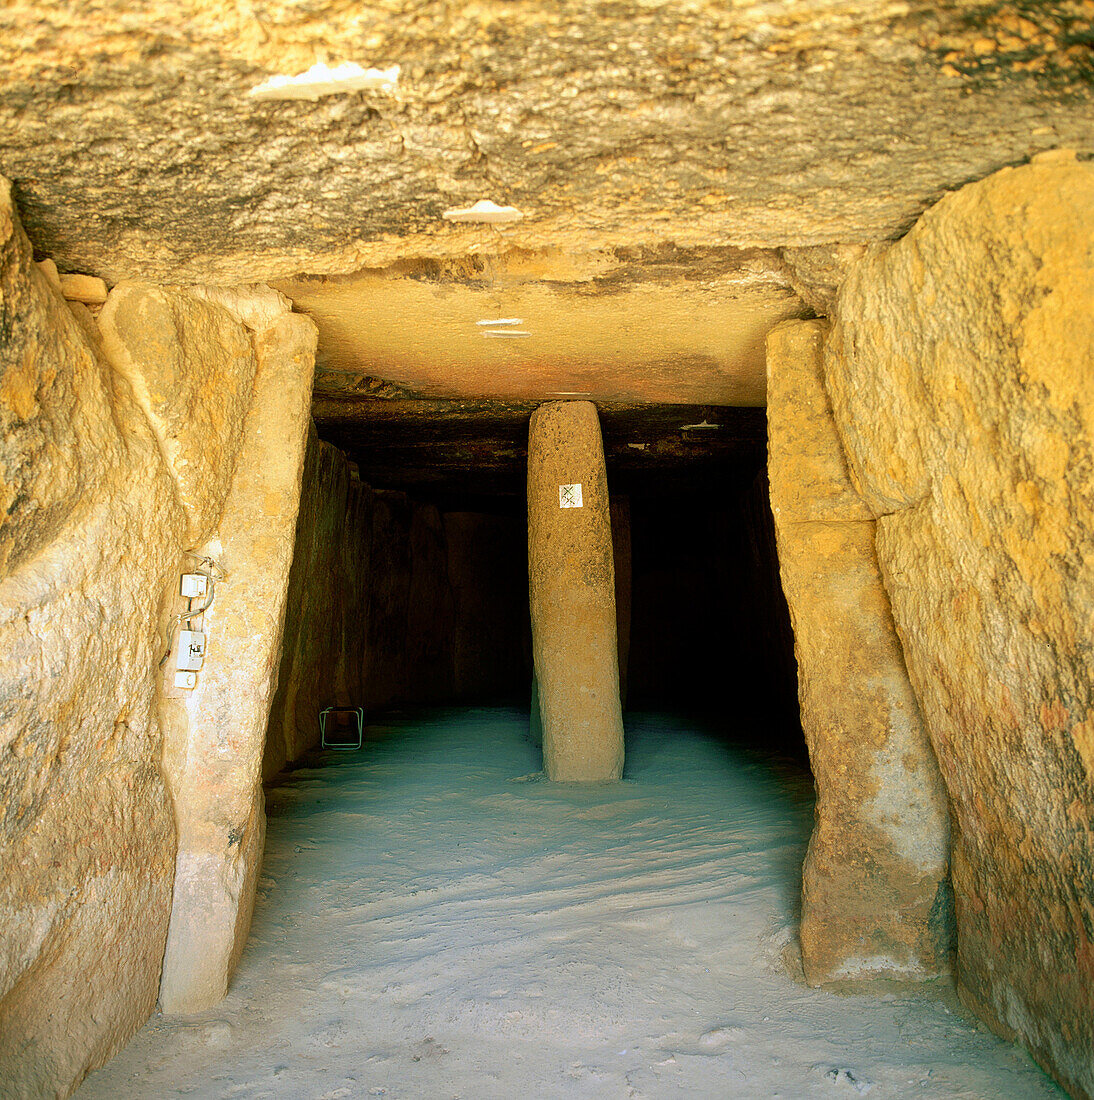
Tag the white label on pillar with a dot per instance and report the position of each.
(569, 496)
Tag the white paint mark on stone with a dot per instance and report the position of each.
(505, 335)
(502, 321)
(701, 424)
(321, 80)
(484, 211)
(569, 496)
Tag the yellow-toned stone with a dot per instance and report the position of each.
(571, 581)
(89, 541)
(191, 367)
(962, 383)
(215, 734)
(88, 289)
(105, 476)
(49, 269)
(875, 899)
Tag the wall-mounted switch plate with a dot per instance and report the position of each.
(191, 650)
(186, 680)
(195, 585)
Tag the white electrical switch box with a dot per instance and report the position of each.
(191, 650)
(186, 680)
(195, 585)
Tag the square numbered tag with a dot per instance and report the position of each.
(569, 496)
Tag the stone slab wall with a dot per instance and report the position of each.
(961, 372)
(215, 735)
(90, 540)
(125, 443)
(327, 605)
(876, 894)
(390, 603)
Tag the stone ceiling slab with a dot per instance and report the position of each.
(552, 327)
(136, 150)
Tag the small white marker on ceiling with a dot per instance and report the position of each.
(504, 334)
(321, 80)
(503, 321)
(702, 424)
(484, 211)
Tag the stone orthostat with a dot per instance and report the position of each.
(876, 895)
(571, 581)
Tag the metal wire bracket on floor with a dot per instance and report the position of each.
(342, 727)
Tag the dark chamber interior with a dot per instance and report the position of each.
(709, 634)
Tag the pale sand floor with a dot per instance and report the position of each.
(434, 922)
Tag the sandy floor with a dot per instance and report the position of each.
(436, 922)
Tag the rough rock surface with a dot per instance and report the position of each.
(876, 893)
(90, 538)
(571, 581)
(960, 373)
(137, 151)
(191, 366)
(214, 735)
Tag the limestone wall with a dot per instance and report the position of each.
(326, 610)
(391, 603)
(876, 895)
(120, 450)
(961, 372)
(89, 547)
(214, 736)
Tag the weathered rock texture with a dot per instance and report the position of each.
(89, 546)
(571, 582)
(664, 325)
(191, 367)
(961, 381)
(214, 736)
(118, 451)
(137, 151)
(876, 893)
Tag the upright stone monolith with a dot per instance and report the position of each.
(875, 892)
(571, 583)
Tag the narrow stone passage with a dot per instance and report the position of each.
(435, 921)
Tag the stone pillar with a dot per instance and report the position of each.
(571, 581)
(876, 896)
(215, 734)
